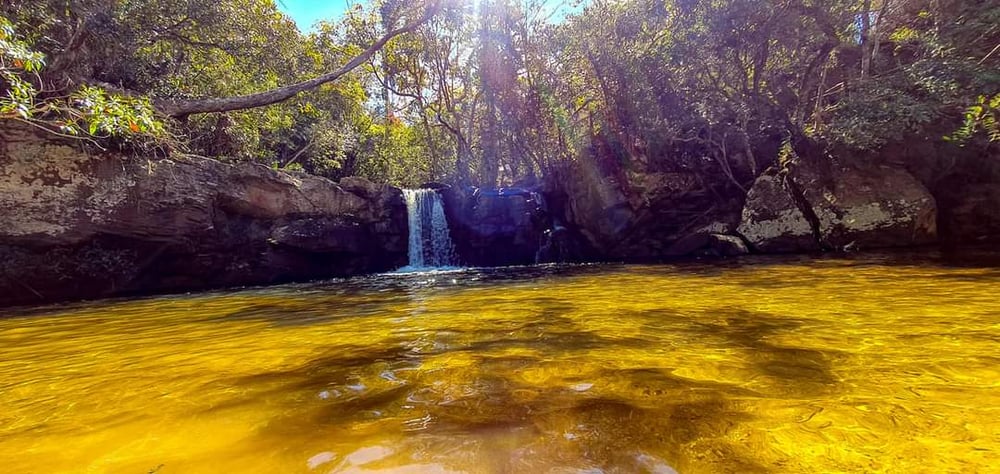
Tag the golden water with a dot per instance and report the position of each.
(872, 365)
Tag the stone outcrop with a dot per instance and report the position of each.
(707, 244)
(970, 213)
(79, 225)
(495, 227)
(641, 216)
(651, 216)
(870, 207)
(772, 221)
(842, 208)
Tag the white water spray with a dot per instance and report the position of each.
(430, 241)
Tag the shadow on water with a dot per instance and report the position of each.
(309, 312)
(795, 371)
(927, 258)
(547, 334)
(635, 421)
(541, 369)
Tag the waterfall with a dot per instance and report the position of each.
(430, 241)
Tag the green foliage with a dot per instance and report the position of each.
(105, 115)
(17, 59)
(877, 114)
(87, 111)
(494, 91)
(786, 154)
(983, 117)
(938, 61)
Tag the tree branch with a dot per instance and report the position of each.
(182, 108)
(298, 154)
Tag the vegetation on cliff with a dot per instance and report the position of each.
(495, 91)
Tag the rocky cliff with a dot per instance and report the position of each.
(642, 216)
(84, 225)
(88, 225)
(495, 227)
(803, 206)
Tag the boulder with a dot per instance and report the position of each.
(772, 221)
(81, 225)
(690, 245)
(857, 207)
(864, 207)
(706, 244)
(727, 245)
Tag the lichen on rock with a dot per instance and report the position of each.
(84, 225)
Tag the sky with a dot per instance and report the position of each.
(307, 12)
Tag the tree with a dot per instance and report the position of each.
(160, 35)
(87, 110)
(499, 91)
(181, 108)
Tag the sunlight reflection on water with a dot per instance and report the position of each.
(880, 363)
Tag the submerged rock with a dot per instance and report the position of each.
(77, 225)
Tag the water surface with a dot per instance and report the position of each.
(778, 365)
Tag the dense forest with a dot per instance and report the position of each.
(497, 91)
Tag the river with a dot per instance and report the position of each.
(876, 363)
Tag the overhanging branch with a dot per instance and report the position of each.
(182, 108)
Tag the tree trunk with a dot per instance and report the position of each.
(866, 26)
(431, 145)
(820, 93)
(879, 24)
(489, 56)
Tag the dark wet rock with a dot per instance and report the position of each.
(706, 244)
(692, 244)
(495, 227)
(727, 245)
(435, 186)
(971, 212)
(324, 235)
(78, 225)
(561, 244)
(639, 216)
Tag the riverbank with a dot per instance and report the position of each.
(85, 225)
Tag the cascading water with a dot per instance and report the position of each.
(430, 241)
